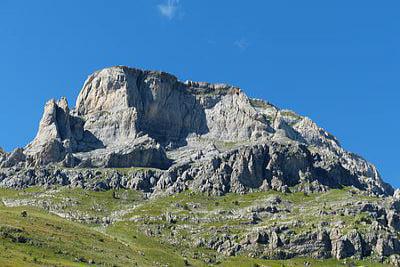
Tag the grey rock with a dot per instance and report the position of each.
(12, 159)
(3, 155)
(394, 260)
(387, 244)
(396, 194)
(393, 219)
(206, 137)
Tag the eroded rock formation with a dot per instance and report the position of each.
(205, 137)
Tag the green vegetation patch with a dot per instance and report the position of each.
(157, 231)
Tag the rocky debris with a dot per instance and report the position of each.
(320, 244)
(224, 244)
(371, 236)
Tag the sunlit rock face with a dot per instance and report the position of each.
(205, 137)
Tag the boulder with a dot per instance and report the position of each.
(393, 219)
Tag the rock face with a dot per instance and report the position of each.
(12, 159)
(205, 137)
(148, 131)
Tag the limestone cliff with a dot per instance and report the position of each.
(206, 137)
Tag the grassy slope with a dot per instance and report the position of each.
(45, 239)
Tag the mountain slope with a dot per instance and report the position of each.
(179, 173)
(123, 228)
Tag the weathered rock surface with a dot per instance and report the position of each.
(12, 159)
(207, 137)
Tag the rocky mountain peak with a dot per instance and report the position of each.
(206, 137)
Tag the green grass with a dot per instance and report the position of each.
(258, 103)
(42, 238)
(299, 262)
(151, 249)
(292, 116)
(55, 241)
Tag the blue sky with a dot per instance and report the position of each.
(337, 62)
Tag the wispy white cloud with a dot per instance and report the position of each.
(169, 8)
(242, 44)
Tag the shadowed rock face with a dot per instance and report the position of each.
(211, 138)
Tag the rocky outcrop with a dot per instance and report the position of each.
(125, 102)
(396, 194)
(207, 137)
(3, 156)
(12, 159)
(141, 152)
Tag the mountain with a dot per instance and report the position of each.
(192, 144)
(204, 137)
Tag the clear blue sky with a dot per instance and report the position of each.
(337, 62)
